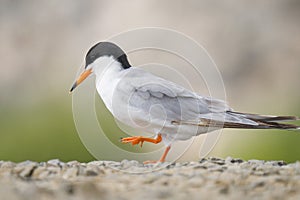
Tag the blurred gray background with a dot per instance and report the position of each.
(255, 44)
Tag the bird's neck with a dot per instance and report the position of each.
(106, 66)
(108, 73)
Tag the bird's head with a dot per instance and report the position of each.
(98, 52)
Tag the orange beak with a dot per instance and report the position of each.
(81, 78)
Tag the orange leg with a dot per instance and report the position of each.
(139, 139)
(162, 158)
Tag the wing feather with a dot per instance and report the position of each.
(177, 101)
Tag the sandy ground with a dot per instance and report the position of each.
(210, 178)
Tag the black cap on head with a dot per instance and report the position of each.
(106, 49)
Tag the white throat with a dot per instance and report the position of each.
(108, 72)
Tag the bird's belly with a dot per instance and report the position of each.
(185, 132)
(146, 122)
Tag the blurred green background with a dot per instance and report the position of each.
(255, 44)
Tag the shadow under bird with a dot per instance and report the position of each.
(150, 103)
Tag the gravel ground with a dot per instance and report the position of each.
(210, 178)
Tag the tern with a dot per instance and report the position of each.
(148, 102)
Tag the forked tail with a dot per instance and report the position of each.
(262, 121)
(231, 119)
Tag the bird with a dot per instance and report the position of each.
(151, 103)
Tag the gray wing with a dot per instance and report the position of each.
(177, 102)
(183, 106)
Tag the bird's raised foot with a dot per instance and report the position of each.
(140, 140)
(133, 140)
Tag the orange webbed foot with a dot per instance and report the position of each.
(140, 140)
(133, 140)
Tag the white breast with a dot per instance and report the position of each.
(108, 73)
